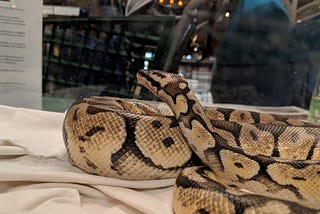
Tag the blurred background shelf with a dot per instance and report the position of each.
(102, 53)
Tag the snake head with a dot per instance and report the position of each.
(160, 82)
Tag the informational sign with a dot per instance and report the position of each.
(20, 53)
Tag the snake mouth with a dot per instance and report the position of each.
(145, 79)
(141, 75)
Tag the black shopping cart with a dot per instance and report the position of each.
(103, 53)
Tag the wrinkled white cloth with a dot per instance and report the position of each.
(36, 176)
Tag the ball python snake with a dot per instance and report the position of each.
(225, 161)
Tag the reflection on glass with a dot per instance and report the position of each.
(314, 110)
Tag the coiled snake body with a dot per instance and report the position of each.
(253, 162)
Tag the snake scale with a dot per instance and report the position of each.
(225, 160)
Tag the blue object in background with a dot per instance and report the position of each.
(256, 34)
(263, 60)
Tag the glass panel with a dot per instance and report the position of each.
(263, 52)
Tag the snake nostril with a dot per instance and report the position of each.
(238, 165)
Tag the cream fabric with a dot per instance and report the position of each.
(36, 177)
